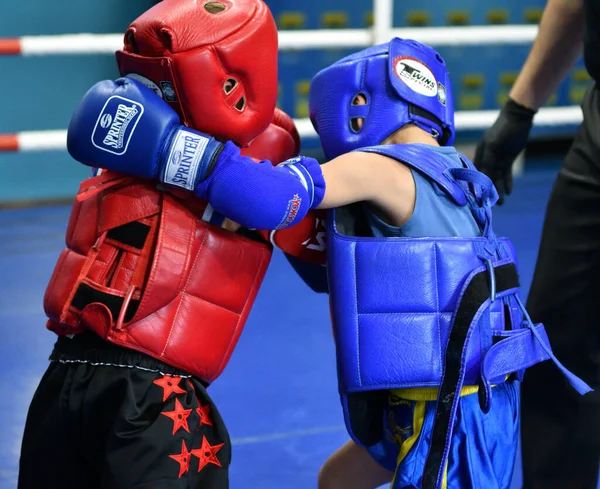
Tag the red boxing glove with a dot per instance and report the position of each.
(305, 240)
(278, 142)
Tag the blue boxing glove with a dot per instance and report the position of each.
(260, 196)
(123, 126)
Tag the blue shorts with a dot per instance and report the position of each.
(483, 450)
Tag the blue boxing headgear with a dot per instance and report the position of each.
(403, 82)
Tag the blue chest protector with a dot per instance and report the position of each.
(428, 312)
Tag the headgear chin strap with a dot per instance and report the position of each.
(403, 82)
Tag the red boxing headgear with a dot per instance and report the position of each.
(214, 62)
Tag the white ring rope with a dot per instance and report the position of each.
(87, 44)
(465, 121)
(382, 30)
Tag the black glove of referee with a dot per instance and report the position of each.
(502, 143)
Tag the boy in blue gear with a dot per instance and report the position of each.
(397, 424)
(408, 414)
(431, 336)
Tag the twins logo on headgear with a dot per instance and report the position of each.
(214, 62)
(402, 81)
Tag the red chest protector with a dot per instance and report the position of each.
(142, 270)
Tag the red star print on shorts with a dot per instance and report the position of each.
(184, 458)
(169, 384)
(179, 417)
(203, 412)
(207, 454)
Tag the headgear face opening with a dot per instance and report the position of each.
(213, 62)
(402, 81)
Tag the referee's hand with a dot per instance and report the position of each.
(501, 145)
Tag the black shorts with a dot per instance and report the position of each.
(561, 429)
(110, 418)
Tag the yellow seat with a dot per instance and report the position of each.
(470, 101)
(576, 94)
(302, 87)
(473, 80)
(509, 78)
(533, 15)
(502, 97)
(369, 19)
(418, 17)
(580, 81)
(497, 16)
(581, 75)
(334, 20)
(279, 94)
(301, 110)
(292, 20)
(459, 17)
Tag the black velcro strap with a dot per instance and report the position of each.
(88, 295)
(477, 292)
(132, 234)
(365, 411)
(414, 110)
(212, 163)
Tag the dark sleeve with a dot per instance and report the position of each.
(315, 276)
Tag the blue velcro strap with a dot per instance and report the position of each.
(482, 199)
(489, 194)
(296, 167)
(358, 111)
(519, 349)
(579, 385)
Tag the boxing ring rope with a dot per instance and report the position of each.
(465, 120)
(87, 44)
(94, 44)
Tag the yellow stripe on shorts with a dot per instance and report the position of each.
(429, 393)
(418, 420)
